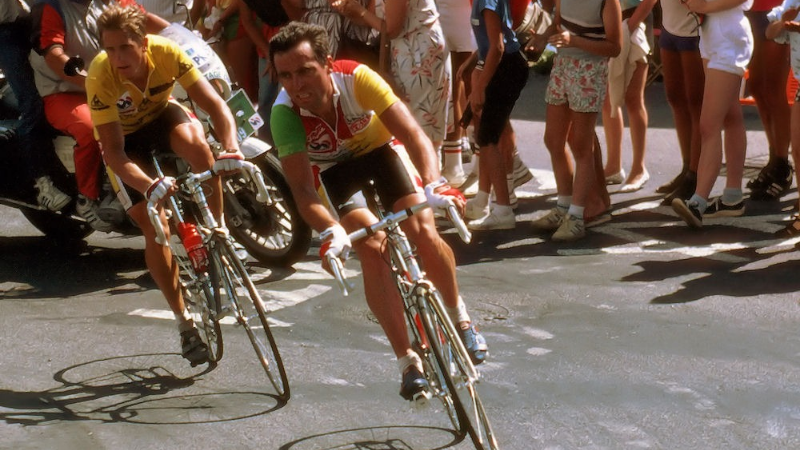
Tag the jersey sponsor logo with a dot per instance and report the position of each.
(125, 104)
(98, 105)
(155, 90)
(321, 141)
(359, 123)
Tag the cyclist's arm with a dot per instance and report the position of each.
(399, 121)
(301, 182)
(112, 141)
(208, 100)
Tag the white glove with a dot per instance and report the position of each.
(335, 242)
(228, 162)
(160, 189)
(442, 199)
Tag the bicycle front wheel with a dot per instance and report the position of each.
(453, 372)
(250, 313)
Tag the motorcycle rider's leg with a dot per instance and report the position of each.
(188, 141)
(69, 113)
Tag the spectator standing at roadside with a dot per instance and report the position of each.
(222, 22)
(726, 44)
(784, 27)
(184, 12)
(586, 34)
(497, 80)
(626, 82)
(34, 142)
(684, 79)
(767, 74)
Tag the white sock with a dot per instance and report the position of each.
(411, 359)
(482, 198)
(184, 321)
(458, 314)
(452, 157)
(576, 211)
(563, 202)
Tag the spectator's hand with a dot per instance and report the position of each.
(562, 38)
(6, 133)
(228, 163)
(789, 15)
(161, 189)
(439, 194)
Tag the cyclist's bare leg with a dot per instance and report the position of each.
(437, 257)
(382, 296)
(159, 259)
(188, 141)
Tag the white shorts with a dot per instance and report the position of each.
(454, 16)
(726, 41)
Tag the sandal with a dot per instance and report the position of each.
(791, 230)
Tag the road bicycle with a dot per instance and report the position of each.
(448, 368)
(214, 280)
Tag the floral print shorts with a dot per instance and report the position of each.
(579, 83)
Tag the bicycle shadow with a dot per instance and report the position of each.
(133, 389)
(390, 437)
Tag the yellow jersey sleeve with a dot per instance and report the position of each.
(371, 91)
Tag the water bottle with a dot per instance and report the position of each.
(193, 243)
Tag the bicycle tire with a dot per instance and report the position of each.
(249, 307)
(205, 311)
(462, 390)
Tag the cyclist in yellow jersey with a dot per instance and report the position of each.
(333, 124)
(128, 90)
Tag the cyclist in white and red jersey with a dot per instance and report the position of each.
(333, 124)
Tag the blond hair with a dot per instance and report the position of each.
(128, 19)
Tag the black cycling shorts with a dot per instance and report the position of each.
(140, 145)
(383, 166)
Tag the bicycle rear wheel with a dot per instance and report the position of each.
(452, 371)
(250, 314)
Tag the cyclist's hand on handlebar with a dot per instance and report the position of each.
(161, 189)
(228, 163)
(335, 243)
(439, 194)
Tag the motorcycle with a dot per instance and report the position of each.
(271, 231)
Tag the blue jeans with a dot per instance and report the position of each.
(31, 126)
(267, 93)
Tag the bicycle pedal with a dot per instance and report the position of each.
(421, 401)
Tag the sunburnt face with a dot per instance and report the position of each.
(127, 56)
(306, 81)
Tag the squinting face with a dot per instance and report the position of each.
(127, 56)
(306, 81)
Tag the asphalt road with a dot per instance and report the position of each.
(643, 335)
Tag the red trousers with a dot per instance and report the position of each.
(68, 112)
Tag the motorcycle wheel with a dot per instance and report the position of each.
(57, 226)
(273, 233)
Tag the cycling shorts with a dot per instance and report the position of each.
(142, 143)
(387, 166)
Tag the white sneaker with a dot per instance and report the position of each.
(550, 221)
(571, 229)
(520, 173)
(513, 201)
(475, 210)
(494, 221)
(49, 195)
(87, 209)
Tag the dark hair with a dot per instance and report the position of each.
(128, 19)
(293, 34)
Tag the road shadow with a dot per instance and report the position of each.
(37, 268)
(135, 389)
(394, 437)
(737, 257)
